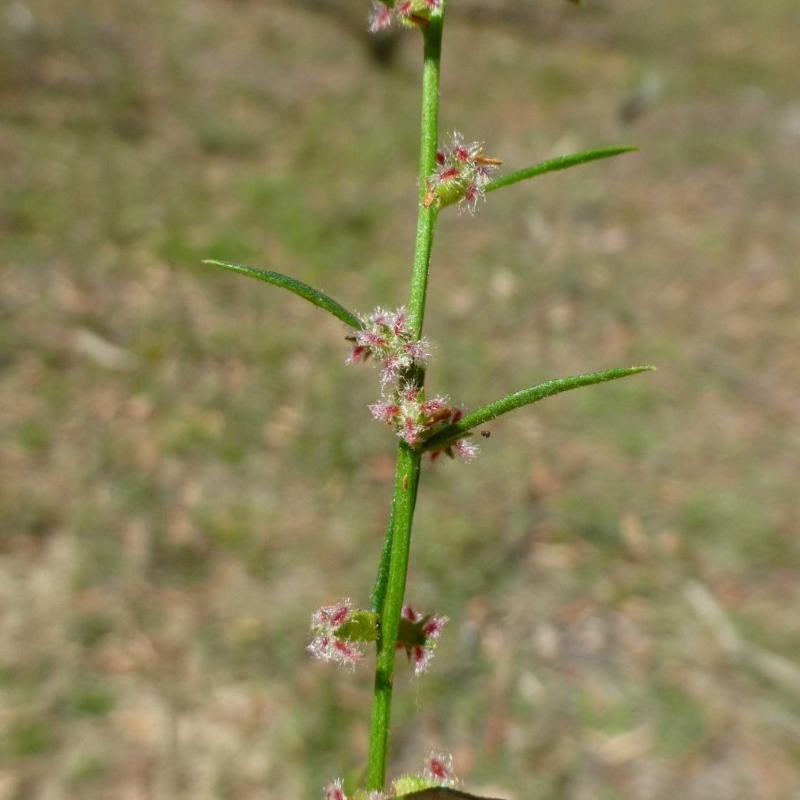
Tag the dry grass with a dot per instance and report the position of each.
(187, 469)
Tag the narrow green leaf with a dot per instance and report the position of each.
(524, 398)
(301, 289)
(554, 164)
(441, 793)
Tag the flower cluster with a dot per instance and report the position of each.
(461, 176)
(386, 337)
(418, 635)
(340, 632)
(411, 414)
(405, 12)
(437, 771)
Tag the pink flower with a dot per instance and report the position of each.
(326, 644)
(421, 641)
(334, 791)
(387, 411)
(380, 18)
(385, 335)
(466, 449)
(439, 768)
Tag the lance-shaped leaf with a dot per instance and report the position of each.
(523, 398)
(441, 793)
(554, 164)
(301, 289)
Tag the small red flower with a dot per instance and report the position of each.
(421, 641)
(439, 768)
(334, 791)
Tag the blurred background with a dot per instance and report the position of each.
(188, 469)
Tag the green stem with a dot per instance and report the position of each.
(426, 219)
(391, 583)
(403, 502)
